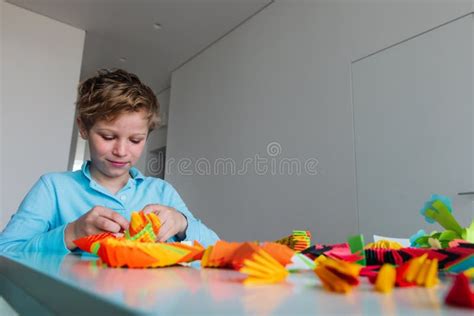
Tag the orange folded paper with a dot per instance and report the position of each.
(232, 255)
(143, 227)
(138, 249)
(133, 254)
(87, 243)
(281, 253)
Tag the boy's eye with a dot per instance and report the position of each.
(107, 137)
(136, 141)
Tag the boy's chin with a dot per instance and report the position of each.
(118, 171)
(118, 174)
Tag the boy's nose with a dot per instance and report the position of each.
(119, 149)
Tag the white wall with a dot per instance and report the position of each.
(41, 65)
(157, 137)
(398, 93)
(284, 76)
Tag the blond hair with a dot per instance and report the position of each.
(111, 93)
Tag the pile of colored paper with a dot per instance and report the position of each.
(137, 248)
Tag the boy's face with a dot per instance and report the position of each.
(116, 146)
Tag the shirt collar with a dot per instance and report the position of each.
(134, 172)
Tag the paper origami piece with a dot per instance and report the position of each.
(384, 244)
(356, 243)
(91, 243)
(262, 269)
(336, 251)
(437, 240)
(219, 255)
(404, 242)
(462, 257)
(196, 250)
(439, 209)
(469, 273)
(454, 259)
(143, 227)
(400, 280)
(233, 254)
(338, 276)
(370, 272)
(460, 293)
(415, 237)
(422, 271)
(137, 248)
(299, 240)
(281, 253)
(245, 251)
(129, 253)
(385, 279)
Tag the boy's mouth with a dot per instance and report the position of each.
(118, 164)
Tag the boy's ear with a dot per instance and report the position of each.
(82, 129)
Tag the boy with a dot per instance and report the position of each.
(115, 113)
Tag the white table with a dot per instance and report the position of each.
(45, 284)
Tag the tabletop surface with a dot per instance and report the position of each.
(191, 290)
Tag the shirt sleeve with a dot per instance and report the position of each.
(32, 228)
(196, 229)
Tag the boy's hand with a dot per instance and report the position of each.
(173, 222)
(98, 220)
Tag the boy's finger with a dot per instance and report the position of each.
(164, 234)
(153, 208)
(115, 217)
(105, 224)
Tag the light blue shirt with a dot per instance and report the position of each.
(57, 199)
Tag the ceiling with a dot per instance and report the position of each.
(121, 33)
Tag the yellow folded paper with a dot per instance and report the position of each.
(384, 244)
(386, 279)
(263, 269)
(422, 271)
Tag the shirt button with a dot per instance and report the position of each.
(123, 197)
